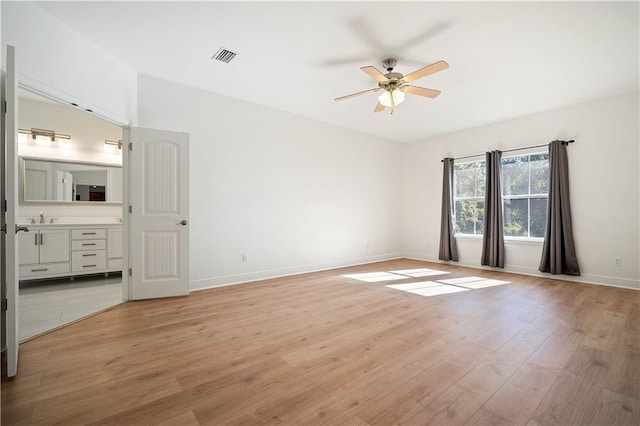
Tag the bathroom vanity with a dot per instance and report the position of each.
(60, 250)
(79, 234)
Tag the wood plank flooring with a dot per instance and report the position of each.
(323, 348)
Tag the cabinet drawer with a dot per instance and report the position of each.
(88, 234)
(88, 245)
(88, 260)
(42, 270)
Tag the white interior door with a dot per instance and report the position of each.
(10, 163)
(158, 182)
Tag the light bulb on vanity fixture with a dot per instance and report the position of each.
(112, 147)
(43, 137)
(63, 141)
(23, 136)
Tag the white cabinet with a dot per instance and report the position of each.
(43, 252)
(49, 251)
(114, 251)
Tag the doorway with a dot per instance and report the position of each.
(87, 159)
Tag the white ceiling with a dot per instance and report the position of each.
(507, 59)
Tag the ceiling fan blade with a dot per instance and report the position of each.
(379, 107)
(377, 75)
(423, 72)
(421, 91)
(364, 92)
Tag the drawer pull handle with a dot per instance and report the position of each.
(40, 270)
(89, 244)
(88, 233)
(89, 266)
(87, 255)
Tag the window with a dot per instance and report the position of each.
(469, 182)
(525, 187)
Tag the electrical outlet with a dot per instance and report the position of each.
(245, 257)
(367, 245)
(617, 261)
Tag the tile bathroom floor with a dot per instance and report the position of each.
(48, 304)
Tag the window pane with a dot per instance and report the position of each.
(539, 173)
(515, 175)
(516, 214)
(479, 217)
(538, 217)
(469, 216)
(464, 181)
(465, 214)
(480, 178)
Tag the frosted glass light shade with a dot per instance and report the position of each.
(64, 142)
(43, 140)
(396, 94)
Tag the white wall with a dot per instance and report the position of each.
(604, 185)
(291, 193)
(88, 135)
(54, 59)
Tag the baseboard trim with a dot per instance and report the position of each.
(526, 270)
(227, 280)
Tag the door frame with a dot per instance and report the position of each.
(126, 285)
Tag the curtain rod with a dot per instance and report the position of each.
(509, 150)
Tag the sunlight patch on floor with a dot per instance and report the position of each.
(372, 277)
(437, 290)
(453, 285)
(474, 282)
(426, 288)
(419, 272)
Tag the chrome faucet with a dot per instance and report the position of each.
(41, 217)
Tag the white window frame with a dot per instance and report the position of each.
(528, 197)
(474, 198)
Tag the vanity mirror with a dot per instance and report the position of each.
(67, 182)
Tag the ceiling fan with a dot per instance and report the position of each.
(395, 84)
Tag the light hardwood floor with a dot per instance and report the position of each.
(323, 348)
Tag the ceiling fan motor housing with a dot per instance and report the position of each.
(394, 80)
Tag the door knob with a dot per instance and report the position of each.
(183, 222)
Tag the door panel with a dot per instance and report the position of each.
(158, 164)
(10, 89)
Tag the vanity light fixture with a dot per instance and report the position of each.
(44, 137)
(112, 146)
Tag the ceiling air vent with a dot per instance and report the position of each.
(224, 55)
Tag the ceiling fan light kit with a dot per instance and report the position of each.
(391, 98)
(395, 84)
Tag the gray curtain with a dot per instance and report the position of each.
(559, 250)
(448, 249)
(493, 237)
